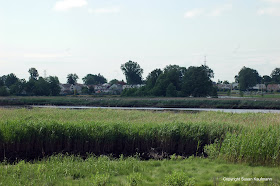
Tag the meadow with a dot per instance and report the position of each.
(103, 170)
(60, 143)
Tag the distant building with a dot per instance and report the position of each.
(104, 88)
(259, 87)
(67, 89)
(273, 87)
(116, 89)
(224, 86)
(132, 86)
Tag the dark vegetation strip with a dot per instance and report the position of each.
(142, 102)
(35, 139)
(32, 140)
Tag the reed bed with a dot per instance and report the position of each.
(34, 133)
(242, 103)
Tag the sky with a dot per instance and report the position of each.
(59, 37)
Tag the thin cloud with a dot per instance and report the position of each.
(46, 55)
(271, 11)
(220, 10)
(104, 10)
(272, 1)
(193, 13)
(65, 5)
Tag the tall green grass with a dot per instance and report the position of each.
(35, 133)
(37, 139)
(259, 146)
(74, 170)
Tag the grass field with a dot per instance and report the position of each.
(228, 145)
(71, 170)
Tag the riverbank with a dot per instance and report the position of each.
(159, 102)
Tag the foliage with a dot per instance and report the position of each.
(2, 82)
(91, 79)
(259, 146)
(171, 90)
(45, 132)
(152, 78)
(4, 91)
(197, 82)
(275, 75)
(251, 138)
(33, 73)
(72, 78)
(247, 78)
(18, 87)
(85, 90)
(178, 179)
(91, 170)
(133, 72)
(10, 79)
(243, 103)
(134, 179)
(53, 85)
(177, 81)
(41, 87)
(30, 86)
(226, 82)
(114, 81)
(266, 80)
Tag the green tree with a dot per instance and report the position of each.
(33, 73)
(266, 80)
(18, 87)
(91, 90)
(171, 74)
(275, 75)
(10, 79)
(171, 90)
(72, 78)
(152, 78)
(197, 82)
(226, 82)
(115, 81)
(2, 83)
(133, 72)
(41, 87)
(208, 71)
(4, 91)
(161, 85)
(85, 90)
(91, 79)
(30, 86)
(247, 78)
(53, 85)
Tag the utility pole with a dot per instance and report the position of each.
(45, 73)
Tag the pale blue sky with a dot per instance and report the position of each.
(90, 36)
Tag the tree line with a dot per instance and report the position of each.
(247, 78)
(172, 81)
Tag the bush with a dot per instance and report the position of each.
(178, 179)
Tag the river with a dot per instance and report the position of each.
(164, 109)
